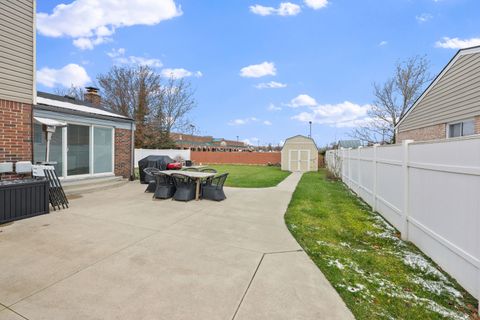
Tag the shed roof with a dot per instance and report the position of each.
(301, 136)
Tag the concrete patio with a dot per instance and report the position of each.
(117, 254)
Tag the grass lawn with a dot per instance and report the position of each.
(378, 275)
(251, 176)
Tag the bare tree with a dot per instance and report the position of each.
(175, 103)
(157, 108)
(393, 99)
(76, 92)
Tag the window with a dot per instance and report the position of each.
(460, 129)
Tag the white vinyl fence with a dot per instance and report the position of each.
(172, 153)
(430, 191)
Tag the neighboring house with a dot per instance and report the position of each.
(206, 143)
(299, 153)
(94, 142)
(347, 144)
(450, 106)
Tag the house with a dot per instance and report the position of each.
(17, 80)
(206, 143)
(88, 141)
(299, 153)
(347, 144)
(93, 142)
(450, 106)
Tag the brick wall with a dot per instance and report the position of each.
(477, 124)
(428, 133)
(123, 152)
(15, 131)
(261, 158)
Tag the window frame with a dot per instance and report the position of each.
(461, 122)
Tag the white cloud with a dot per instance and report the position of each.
(302, 100)
(383, 43)
(342, 115)
(271, 85)
(272, 107)
(285, 9)
(241, 122)
(180, 73)
(71, 74)
(91, 23)
(259, 70)
(424, 17)
(267, 123)
(118, 56)
(316, 4)
(456, 43)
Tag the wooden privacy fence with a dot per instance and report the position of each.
(260, 158)
(430, 191)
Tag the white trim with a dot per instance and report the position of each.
(460, 53)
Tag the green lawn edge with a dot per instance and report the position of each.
(378, 275)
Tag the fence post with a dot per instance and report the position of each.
(359, 175)
(374, 191)
(350, 184)
(406, 191)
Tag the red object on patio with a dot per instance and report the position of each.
(174, 166)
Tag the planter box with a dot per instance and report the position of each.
(20, 199)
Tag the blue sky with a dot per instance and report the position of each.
(320, 56)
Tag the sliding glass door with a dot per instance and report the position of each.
(78, 150)
(102, 150)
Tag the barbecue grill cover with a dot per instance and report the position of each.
(159, 162)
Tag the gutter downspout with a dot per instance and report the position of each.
(132, 153)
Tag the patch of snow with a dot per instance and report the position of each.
(336, 263)
(437, 287)
(357, 288)
(416, 261)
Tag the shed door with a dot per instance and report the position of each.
(299, 160)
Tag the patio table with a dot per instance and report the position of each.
(197, 176)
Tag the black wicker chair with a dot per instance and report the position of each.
(165, 187)
(208, 181)
(185, 187)
(150, 177)
(191, 169)
(214, 190)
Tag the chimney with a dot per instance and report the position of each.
(92, 96)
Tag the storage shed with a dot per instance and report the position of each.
(299, 153)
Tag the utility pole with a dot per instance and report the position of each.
(310, 123)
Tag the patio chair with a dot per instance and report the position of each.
(185, 187)
(150, 177)
(191, 169)
(208, 181)
(214, 190)
(165, 187)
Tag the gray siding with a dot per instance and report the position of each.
(455, 96)
(17, 50)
